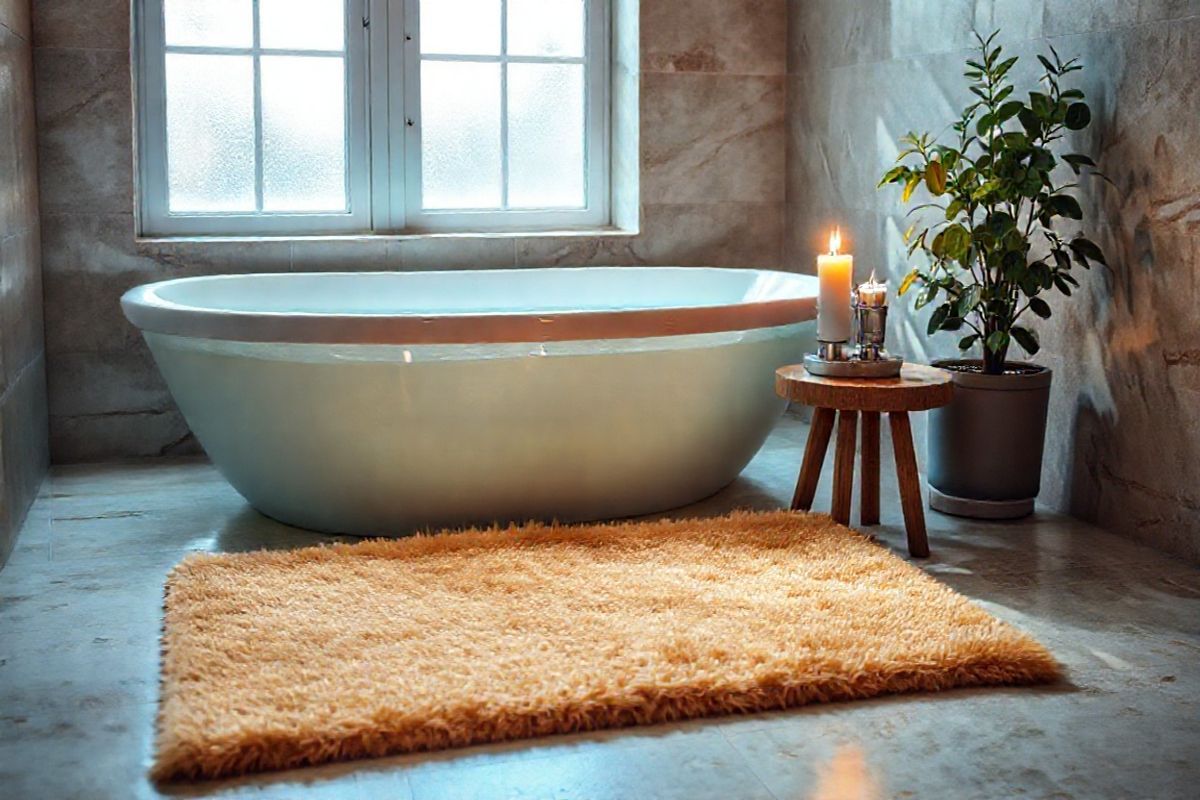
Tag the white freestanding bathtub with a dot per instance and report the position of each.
(381, 403)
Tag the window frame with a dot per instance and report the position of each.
(383, 159)
(155, 217)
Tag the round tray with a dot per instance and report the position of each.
(853, 368)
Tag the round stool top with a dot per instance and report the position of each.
(918, 388)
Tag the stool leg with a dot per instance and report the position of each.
(843, 466)
(814, 459)
(910, 484)
(868, 476)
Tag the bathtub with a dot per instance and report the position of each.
(382, 403)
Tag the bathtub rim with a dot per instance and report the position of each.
(146, 309)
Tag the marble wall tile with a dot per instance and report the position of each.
(87, 24)
(18, 179)
(24, 456)
(432, 252)
(738, 37)
(677, 234)
(1154, 10)
(1082, 16)
(23, 448)
(100, 437)
(20, 303)
(85, 130)
(115, 382)
(15, 15)
(822, 35)
(712, 138)
(366, 254)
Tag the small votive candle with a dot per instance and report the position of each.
(873, 293)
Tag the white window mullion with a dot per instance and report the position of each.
(380, 22)
(258, 131)
(504, 104)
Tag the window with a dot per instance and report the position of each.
(293, 117)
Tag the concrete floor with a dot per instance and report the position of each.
(80, 614)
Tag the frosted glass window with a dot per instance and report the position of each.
(336, 117)
(302, 24)
(460, 137)
(209, 23)
(303, 133)
(545, 27)
(546, 136)
(210, 133)
(460, 27)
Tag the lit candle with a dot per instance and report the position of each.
(834, 273)
(872, 293)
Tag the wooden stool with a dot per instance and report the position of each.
(917, 389)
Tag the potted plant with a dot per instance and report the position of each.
(990, 238)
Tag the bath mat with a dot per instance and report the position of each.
(282, 659)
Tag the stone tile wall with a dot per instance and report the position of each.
(23, 453)
(712, 95)
(1123, 447)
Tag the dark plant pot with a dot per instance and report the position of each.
(985, 448)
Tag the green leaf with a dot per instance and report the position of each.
(1072, 94)
(1064, 206)
(999, 223)
(966, 342)
(956, 241)
(926, 296)
(1008, 111)
(1029, 121)
(1027, 339)
(1041, 104)
(1078, 116)
(953, 209)
(910, 186)
(892, 175)
(1014, 265)
(968, 300)
(1015, 140)
(1004, 67)
(1040, 307)
(940, 315)
(935, 178)
(1046, 63)
(907, 283)
(1042, 160)
(997, 341)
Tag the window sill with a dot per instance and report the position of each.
(573, 233)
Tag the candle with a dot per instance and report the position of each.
(834, 273)
(872, 293)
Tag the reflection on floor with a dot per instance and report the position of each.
(80, 611)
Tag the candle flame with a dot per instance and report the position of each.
(835, 241)
(871, 280)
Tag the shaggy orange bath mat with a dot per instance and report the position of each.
(282, 659)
